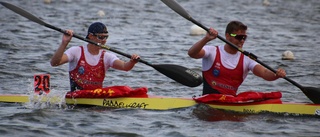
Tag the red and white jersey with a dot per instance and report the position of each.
(225, 72)
(88, 71)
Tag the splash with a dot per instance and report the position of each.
(55, 99)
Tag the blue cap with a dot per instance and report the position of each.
(97, 27)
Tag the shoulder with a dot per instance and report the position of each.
(106, 53)
(249, 62)
(210, 47)
(74, 48)
(210, 50)
(109, 59)
(110, 56)
(73, 51)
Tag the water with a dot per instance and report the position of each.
(160, 36)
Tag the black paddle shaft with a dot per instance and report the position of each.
(180, 74)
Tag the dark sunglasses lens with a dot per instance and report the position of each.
(241, 37)
(102, 37)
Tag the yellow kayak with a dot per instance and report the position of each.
(167, 103)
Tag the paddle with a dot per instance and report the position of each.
(180, 74)
(312, 93)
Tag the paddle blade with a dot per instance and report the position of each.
(172, 4)
(177, 8)
(312, 93)
(180, 74)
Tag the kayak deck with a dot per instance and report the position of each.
(167, 103)
(270, 106)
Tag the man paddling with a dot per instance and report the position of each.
(89, 63)
(224, 68)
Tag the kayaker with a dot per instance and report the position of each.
(224, 68)
(89, 63)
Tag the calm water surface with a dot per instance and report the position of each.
(158, 35)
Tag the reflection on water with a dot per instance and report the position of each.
(207, 113)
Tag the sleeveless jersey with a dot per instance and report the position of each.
(221, 80)
(85, 76)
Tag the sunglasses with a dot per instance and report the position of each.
(239, 37)
(100, 37)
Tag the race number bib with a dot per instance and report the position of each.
(42, 83)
